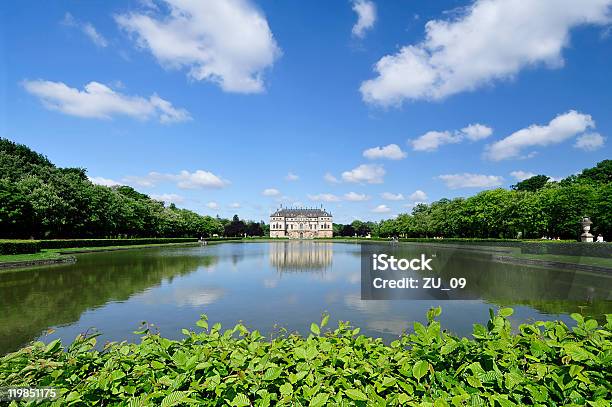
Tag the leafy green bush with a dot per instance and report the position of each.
(70, 243)
(19, 246)
(543, 364)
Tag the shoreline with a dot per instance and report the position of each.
(498, 253)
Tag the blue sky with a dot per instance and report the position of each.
(213, 104)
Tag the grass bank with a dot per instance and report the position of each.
(543, 363)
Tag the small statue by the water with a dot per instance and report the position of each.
(586, 227)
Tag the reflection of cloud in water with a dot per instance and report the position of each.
(181, 296)
(396, 327)
(371, 307)
(354, 278)
(270, 282)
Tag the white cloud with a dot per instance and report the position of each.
(87, 28)
(381, 209)
(324, 198)
(227, 42)
(390, 152)
(418, 196)
(365, 173)
(107, 182)
(432, 140)
(101, 102)
(467, 180)
(392, 197)
(291, 177)
(270, 192)
(366, 17)
(590, 141)
(330, 178)
(355, 197)
(234, 205)
(169, 198)
(213, 205)
(489, 41)
(559, 129)
(476, 131)
(184, 179)
(522, 175)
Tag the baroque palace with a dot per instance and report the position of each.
(301, 223)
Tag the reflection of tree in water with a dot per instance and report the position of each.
(32, 300)
(545, 289)
(301, 256)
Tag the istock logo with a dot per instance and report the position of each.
(383, 262)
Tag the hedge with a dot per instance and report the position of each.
(541, 364)
(71, 243)
(19, 246)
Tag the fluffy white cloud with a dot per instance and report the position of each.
(559, 129)
(330, 178)
(227, 42)
(169, 198)
(365, 173)
(476, 131)
(418, 196)
(390, 152)
(234, 205)
(107, 182)
(291, 177)
(432, 140)
(522, 175)
(324, 198)
(184, 179)
(490, 40)
(366, 17)
(392, 197)
(467, 180)
(101, 102)
(590, 141)
(270, 192)
(213, 205)
(87, 28)
(355, 197)
(381, 209)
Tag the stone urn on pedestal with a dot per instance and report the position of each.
(586, 227)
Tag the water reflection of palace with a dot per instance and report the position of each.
(296, 256)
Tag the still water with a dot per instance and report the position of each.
(267, 285)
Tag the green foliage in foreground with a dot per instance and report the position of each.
(19, 246)
(543, 364)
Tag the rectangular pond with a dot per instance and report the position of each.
(269, 286)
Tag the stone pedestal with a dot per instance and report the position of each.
(586, 227)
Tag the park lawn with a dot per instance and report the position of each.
(51, 254)
(43, 255)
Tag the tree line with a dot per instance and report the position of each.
(532, 208)
(40, 200)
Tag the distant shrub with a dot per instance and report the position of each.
(71, 243)
(19, 246)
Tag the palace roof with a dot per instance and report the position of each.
(307, 212)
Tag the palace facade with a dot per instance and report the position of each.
(301, 223)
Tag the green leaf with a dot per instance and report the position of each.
(324, 320)
(506, 312)
(314, 328)
(319, 400)
(240, 401)
(420, 369)
(272, 373)
(356, 394)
